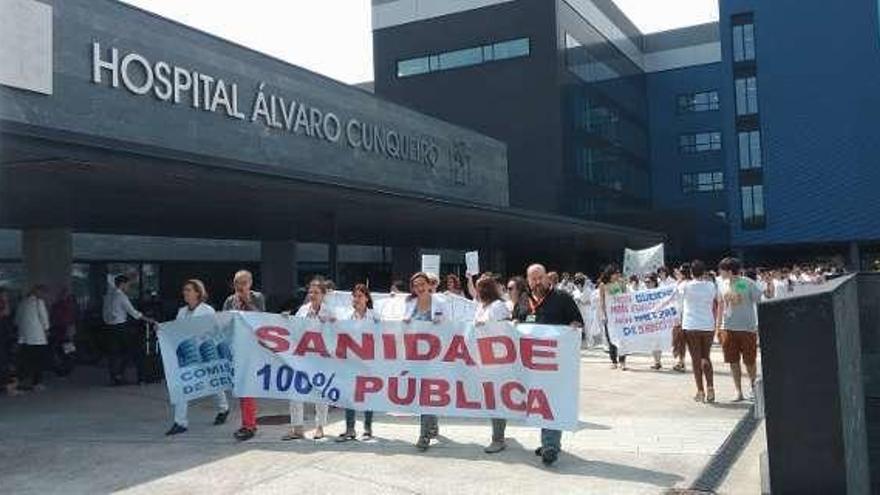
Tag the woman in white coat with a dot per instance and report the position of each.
(314, 309)
(423, 305)
(195, 295)
(492, 308)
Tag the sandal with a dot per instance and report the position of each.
(678, 367)
(292, 435)
(710, 395)
(700, 397)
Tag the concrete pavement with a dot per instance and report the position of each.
(641, 433)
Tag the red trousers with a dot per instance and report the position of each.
(248, 412)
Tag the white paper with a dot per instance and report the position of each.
(472, 260)
(431, 264)
(641, 262)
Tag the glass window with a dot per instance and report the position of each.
(702, 182)
(703, 101)
(699, 143)
(461, 58)
(752, 206)
(412, 67)
(743, 42)
(464, 57)
(511, 49)
(746, 95)
(749, 150)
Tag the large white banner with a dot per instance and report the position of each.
(197, 356)
(642, 321)
(500, 370)
(643, 261)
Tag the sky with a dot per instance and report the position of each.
(333, 37)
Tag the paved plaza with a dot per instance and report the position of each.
(640, 433)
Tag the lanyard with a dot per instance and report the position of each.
(535, 304)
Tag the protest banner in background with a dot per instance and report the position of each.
(197, 356)
(472, 262)
(643, 261)
(642, 321)
(393, 306)
(431, 264)
(524, 372)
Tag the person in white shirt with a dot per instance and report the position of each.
(32, 320)
(124, 338)
(361, 310)
(313, 309)
(491, 308)
(195, 297)
(423, 305)
(699, 305)
(582, 292)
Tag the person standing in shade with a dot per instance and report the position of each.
(699, 299)
(423, 305)
(491, 308)
(549, 307)
(6, 333)
(738, 322)
(195, 297)
(32, 320)
(362, 310)
(313, 309)
(245, 299)
(610, 284)
(125, 336)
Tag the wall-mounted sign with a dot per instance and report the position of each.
(184, 86)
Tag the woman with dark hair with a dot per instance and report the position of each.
(423, 305)
(517, 291)
(362, 310)
(610, 284)
(699, 303)
(453, 285)
(679, 342)
(314, 309)
(195, 297)
(491, 308)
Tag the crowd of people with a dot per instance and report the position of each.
(712, 304)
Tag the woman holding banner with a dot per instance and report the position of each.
(195, 297)
(313, 309)
(362, 310)
(611, 283)
(423, 305)
(490, 309)
(699, 299)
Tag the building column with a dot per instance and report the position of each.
(404, 262)
(333, 250)
(48, 258)
(855, 257)
(278, 272)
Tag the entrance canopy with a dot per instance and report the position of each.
(136, 124)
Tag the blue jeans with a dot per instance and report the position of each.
(551, 438)
(350, 417)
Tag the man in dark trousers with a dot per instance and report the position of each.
(548, 306)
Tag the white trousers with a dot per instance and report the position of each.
(181, 410)
(297, 413)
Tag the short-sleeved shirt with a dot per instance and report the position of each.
(740, 296)
(496, 311)
(557, 308)
(698, 300)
